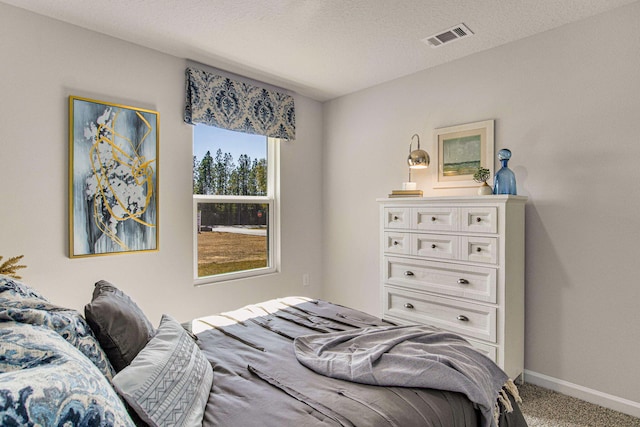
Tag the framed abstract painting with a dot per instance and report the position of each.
(113, 178)
(461, 150)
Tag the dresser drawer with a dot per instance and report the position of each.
(440, 246)
(435, 219)
(471, 282)
(473, 320)
(479, 249)
(479, 219)
(397, 243)
(488, 350)
(397, 218)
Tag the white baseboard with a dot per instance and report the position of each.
(587, 394)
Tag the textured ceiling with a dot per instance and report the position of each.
(319, 48)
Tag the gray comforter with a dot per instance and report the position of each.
(406, 356)
(259, 382)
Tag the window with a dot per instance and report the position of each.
(234, 204)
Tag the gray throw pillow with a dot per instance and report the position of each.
(118, 323)
(169, 381)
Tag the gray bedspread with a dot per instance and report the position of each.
(259, 382)
(406, 356)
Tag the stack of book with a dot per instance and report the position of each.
(406, 193)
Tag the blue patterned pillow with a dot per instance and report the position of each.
(11, 288)
(169, 381)
(50, 383)
(68, 323)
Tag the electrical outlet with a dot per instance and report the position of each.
(305, 280)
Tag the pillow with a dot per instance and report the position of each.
(45, 381)
(120, 326)
(25, 305)
(169, 381)
(10, 288)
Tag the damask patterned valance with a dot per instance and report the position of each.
(219, 101)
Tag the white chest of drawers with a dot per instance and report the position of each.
(458, 263)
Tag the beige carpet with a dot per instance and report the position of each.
(545, 408)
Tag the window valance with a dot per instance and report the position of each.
(219, 101)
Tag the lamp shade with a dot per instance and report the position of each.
(418, 158)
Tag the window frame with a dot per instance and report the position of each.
(272, 199)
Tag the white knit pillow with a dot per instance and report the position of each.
(169, 381)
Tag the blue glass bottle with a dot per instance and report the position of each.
(505, 179)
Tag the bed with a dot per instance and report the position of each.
(257, 365)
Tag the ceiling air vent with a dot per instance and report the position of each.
(452, 34)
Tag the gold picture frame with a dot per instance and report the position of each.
(113, 178)
(460, 150)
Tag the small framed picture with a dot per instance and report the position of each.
(113, 178)
(461, 149)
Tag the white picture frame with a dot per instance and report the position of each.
(460, 150)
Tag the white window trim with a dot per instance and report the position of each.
(272, 199)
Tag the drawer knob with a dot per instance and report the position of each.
(408, 273)
(395, 218)
(463, 282)
(462, 318)
(478, 249)
(478, 219)
(433, 219)
(395, 243)
(408, 305)
(433, 246)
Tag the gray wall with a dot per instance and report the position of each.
(567, 103)
(43, 61)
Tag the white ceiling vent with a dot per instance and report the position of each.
(447, 36)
